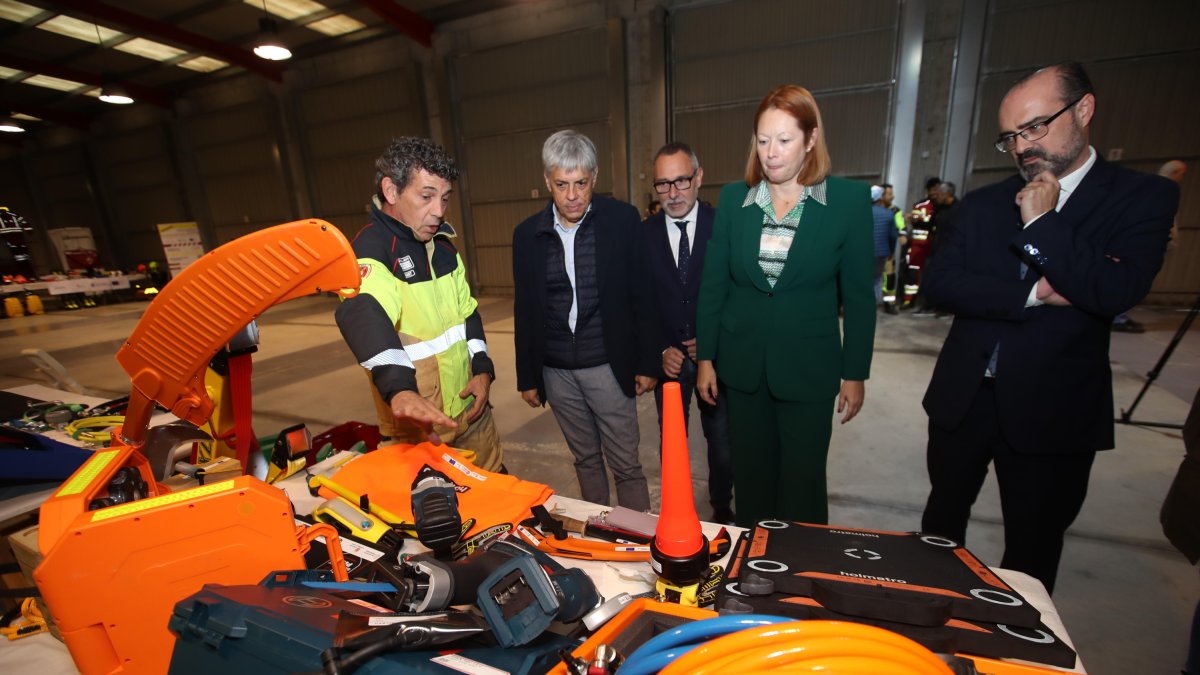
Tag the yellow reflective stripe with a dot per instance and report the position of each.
(84, 476)
(437, 345)
(172, 498)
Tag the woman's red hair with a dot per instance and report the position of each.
(800, 104)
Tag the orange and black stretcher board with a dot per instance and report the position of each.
(922, 587)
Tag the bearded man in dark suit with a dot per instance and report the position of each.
(1036, 268)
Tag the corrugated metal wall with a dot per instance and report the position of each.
(349, 105)
(1146, 93)
(725, 57)
(509, 100)
(141, 187)
(232, 132)
(66, 200)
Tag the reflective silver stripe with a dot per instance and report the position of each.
(390, 357)
(476, 347)
(437, 345)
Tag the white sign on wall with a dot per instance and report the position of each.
(181, 242)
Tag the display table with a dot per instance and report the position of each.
(102, 287)
(78, 285)
(46, 655)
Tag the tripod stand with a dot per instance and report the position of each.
(1153, 374)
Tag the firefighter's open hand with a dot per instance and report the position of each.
(643, 384)
(479, 387)
(409, 405)
(850, 399)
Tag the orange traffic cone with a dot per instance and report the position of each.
(679, 550)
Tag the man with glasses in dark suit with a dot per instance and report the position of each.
(1034, 270)
(677, 237)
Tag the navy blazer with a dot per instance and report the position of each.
(1101, 252)
(626, 304)
(675, 302)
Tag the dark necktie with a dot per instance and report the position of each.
(685, 252)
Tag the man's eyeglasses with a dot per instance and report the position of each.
(1033, 132)
(662, 187)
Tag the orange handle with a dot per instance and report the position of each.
(333, 543)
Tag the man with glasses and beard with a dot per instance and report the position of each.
(1034, 271)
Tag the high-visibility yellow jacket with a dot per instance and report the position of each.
(414, 324)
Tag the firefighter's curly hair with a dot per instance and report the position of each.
(407, 154)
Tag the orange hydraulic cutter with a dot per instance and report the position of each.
(112, 573)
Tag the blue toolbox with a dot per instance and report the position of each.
(283, 625)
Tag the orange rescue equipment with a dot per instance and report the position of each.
(120, 549)
(385, 477)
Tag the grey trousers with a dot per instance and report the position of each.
(600, 424)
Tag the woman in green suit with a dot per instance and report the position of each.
(767, 326)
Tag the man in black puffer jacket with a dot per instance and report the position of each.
(584, 320)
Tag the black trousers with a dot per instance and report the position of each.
(1040, 495)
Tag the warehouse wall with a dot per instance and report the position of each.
(725, 57)
(242, 153)
(1146, 96)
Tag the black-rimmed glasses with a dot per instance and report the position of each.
(1033, 132)
(662, 187)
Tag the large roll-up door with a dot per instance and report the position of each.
(349, 107)
(1146, 96)
(509, 99)
(725, 57)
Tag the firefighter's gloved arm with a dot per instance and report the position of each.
(481, 363)
(372, 338)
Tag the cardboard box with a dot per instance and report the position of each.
(25, 549)
(221, 468)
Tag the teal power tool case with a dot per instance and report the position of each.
(282, 626)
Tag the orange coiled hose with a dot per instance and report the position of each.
(830, 647)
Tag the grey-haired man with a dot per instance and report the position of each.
(584, 320)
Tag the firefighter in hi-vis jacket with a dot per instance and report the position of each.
(414, 325)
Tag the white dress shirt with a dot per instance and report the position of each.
(673, 231)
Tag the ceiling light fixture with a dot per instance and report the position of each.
(11, 125)
(110, 92)
(115, 93)
(269, 46)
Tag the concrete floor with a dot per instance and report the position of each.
(1124, 594)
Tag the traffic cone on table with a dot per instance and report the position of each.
(679, 550)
